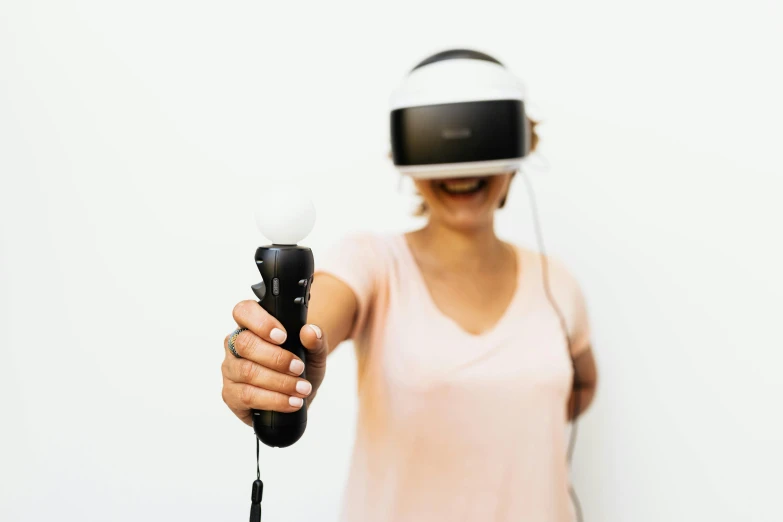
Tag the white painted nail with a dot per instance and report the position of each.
(304, 387)
(296, 367)
(296, 402)
(277, 335)
(315, 329)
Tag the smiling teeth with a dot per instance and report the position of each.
(461, 186)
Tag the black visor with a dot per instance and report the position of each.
(458, 132)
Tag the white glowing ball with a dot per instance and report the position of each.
(285, 214)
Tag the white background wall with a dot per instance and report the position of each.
(135, 138)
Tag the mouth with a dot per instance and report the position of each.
(462, 186)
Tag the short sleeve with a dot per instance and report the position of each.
(357, 261)
(571, 300)
(580, 323)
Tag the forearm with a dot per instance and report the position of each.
(584, 384)
(333, 308)
(580, 400)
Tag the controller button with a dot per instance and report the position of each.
(275, 286)
(260, 290)
(303, 282)
(299, 300)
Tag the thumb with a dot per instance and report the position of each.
(314, 340)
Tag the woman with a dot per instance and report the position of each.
(466, 383)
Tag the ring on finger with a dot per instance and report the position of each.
(232, 338)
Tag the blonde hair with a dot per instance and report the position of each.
(422, 209)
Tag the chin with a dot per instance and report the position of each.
(465, 221)
(465, 203)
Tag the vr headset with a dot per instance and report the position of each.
(459, 113)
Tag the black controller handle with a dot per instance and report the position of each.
(284, 292)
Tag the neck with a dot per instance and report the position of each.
(459, 249)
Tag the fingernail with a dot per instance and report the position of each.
(304, 387)
(297, 367)
(277, 335)
(317, 330)
(296, 402)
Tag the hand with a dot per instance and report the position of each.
(267, 376)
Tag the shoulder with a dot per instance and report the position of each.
(555, 279)
(360, 251)
(367, 244)
(557, 270)
(552, 272)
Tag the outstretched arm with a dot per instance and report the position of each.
(333, 307)
(267, 377)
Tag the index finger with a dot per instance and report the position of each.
(250, 315)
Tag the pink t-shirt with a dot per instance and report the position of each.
(454, 426)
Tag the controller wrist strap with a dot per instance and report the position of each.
(258, 489)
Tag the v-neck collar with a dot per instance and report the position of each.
(507, 314)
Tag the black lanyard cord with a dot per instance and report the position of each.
(258, 488)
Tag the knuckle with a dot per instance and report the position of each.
(247, 396)
(283, 383)
(241, 310)
(244, 344)
(247, 370)
(280, 359)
